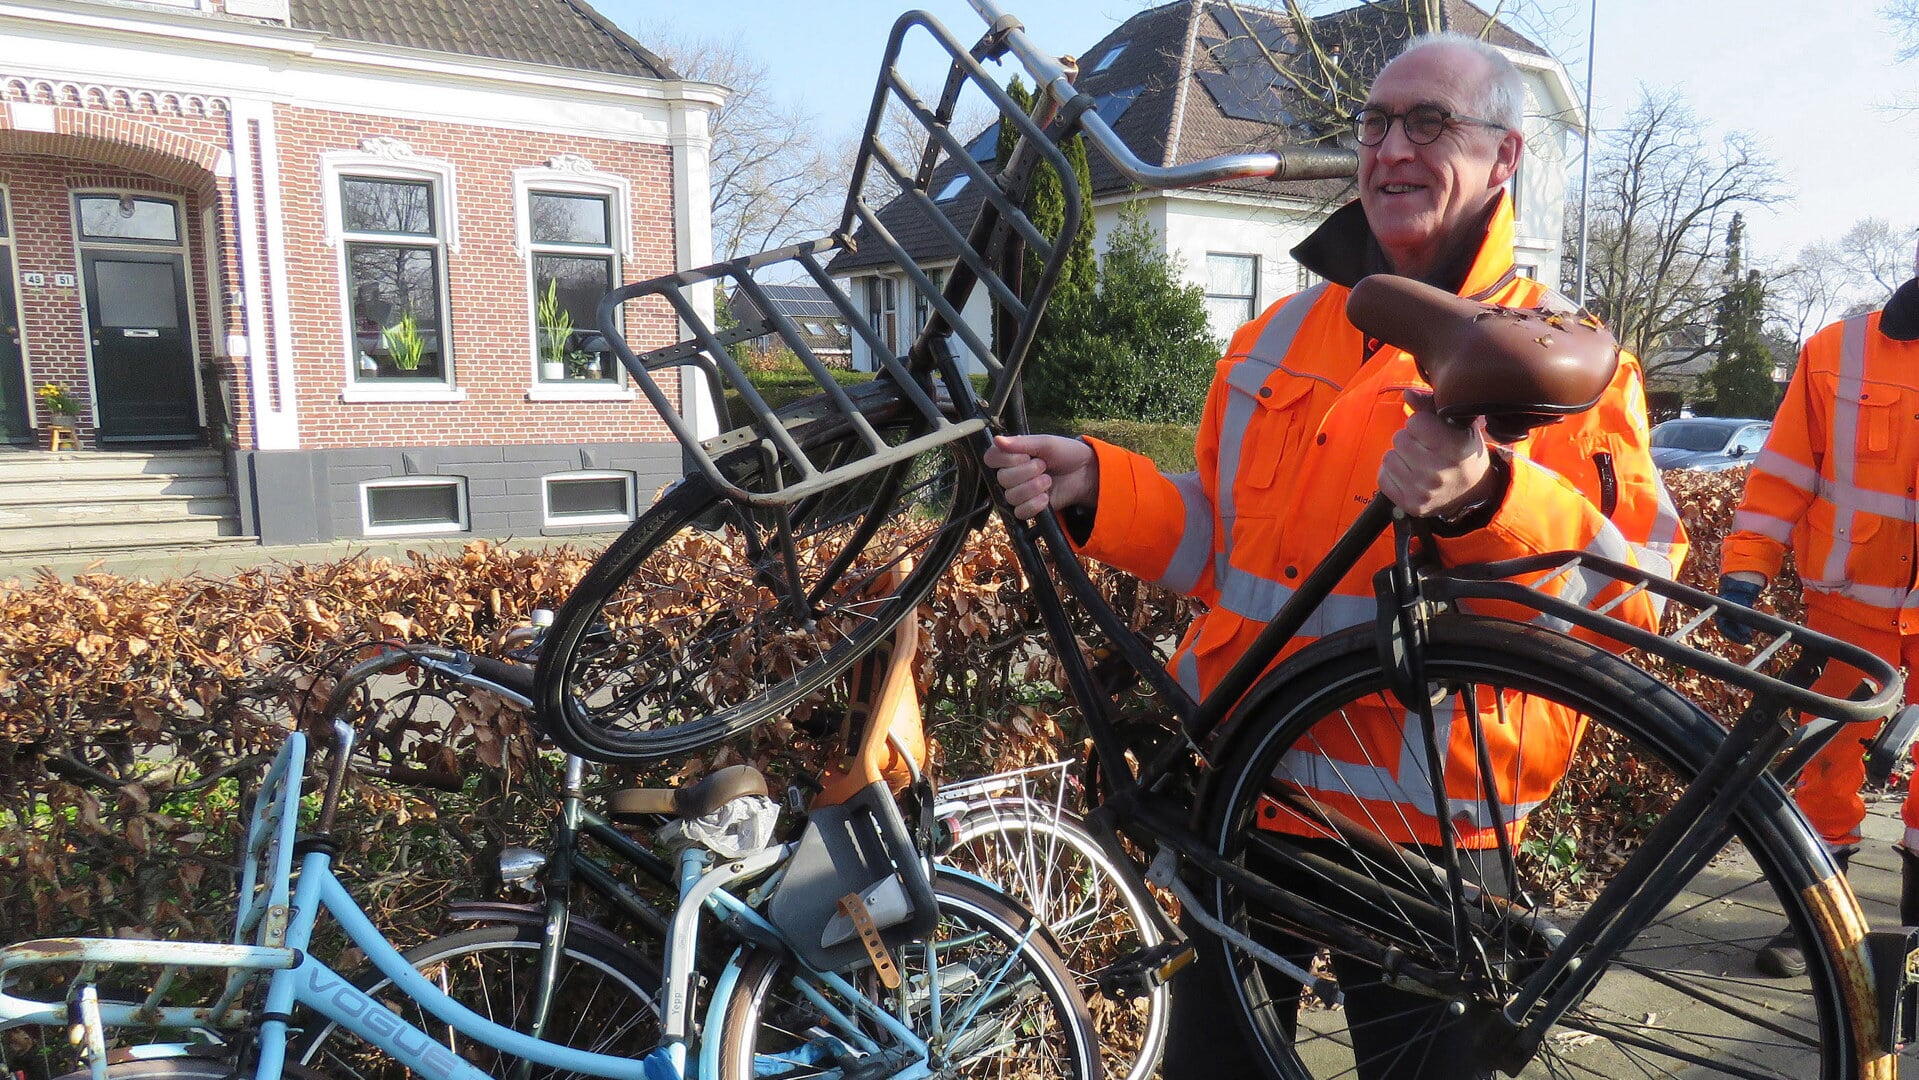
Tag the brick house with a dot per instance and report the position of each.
(1189, 80)
(356, 247)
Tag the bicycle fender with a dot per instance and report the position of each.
(501, 913)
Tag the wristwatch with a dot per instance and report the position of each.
(1479, 513)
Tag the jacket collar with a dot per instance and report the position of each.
(1343, 250)
(1901, 320)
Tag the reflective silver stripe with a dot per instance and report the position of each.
(1247, 376)
(1408, 785)
(1774, 463)
(1251, 596)
(1772, 528)
(1664, 533)
(1195, 538)
(1186, 670)
(1845, 440)
(1881, 596)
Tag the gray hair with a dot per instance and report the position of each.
(1503, 97)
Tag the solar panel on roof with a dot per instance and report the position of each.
(1113, 104)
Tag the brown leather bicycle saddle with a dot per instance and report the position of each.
(1520, 368)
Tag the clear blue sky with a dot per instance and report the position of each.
(1808, 79)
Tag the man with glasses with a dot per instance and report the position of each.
(1305, 420)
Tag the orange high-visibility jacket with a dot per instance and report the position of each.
(1837, 477)
(1289, 448)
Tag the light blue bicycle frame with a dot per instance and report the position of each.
(279, 916)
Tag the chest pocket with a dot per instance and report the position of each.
(1278, 417)
(1880, 408)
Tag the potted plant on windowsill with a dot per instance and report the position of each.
(404, 344)
(556, 335)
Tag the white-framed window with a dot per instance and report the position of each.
(1232, 291)
(1522, 270)
(588, 498)
(572, 231)
(1112, 54)
(1306, 279)
(882, 311)
(393, 218)
(411, 505)
(922, 305)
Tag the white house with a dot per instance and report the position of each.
(1185, 81)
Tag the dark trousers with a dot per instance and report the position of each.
(1396, 1035)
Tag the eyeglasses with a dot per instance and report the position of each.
(1422, 123)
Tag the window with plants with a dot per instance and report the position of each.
(395, 279)
(574, 264)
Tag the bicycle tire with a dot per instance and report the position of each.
(1039, 1029)
(1682, 994)
(605, 1002)
(682, 635)
(1043, 857)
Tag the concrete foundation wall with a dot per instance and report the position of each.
(312, 496)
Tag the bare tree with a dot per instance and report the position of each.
(1904, 17)
(1879, 255)
(772, 180)
(1662, 202)
(1804, 294)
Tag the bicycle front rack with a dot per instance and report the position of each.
(888, 206)
(1562, 582)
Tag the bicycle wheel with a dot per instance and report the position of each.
(1043, 857)
(696, 624)
(1005, 1005)
(604, 1002)
(179, 1068)
(1683, 996)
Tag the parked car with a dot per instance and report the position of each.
(1711, 443)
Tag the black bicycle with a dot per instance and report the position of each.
(1668, 854)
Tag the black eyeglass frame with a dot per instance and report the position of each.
(1446, 116)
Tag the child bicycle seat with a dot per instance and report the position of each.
(1520, 368)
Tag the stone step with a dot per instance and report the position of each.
(107, 488)
(135, 510)
(34, 467)
(66, 539)
(72, 559)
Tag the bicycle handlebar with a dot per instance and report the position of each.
(1287, 163)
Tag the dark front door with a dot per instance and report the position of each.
(142, 356)
(14, 399)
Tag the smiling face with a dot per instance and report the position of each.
(1419, 199)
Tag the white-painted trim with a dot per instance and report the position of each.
(193, 55)
(284, 377)
(367, 528)
(693, 243)
(273, 428)
(581, 390)
(546, 499)
(182, 247)
(395, 392)
(216, 279)
(386, 158)
(9, 251)
(570, 174)
(383, 157)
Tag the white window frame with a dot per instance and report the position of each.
(570, 174)
(389, 159)
(546, 499)
(368, 528)
(1251, 299)
(883, 312)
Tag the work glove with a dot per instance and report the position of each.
(1743, 593)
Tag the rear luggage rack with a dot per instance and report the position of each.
(989, 249)
(1688, 609)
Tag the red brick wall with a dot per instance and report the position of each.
(487, 322)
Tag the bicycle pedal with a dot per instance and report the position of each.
(1895, 967)
(1138, 974)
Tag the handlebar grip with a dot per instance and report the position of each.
(1315, 163)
